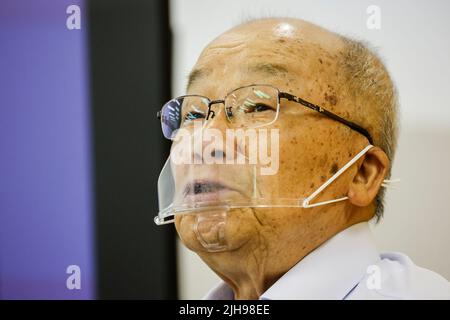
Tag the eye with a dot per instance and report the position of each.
(262, 107)
(255, 107)
(193, 116)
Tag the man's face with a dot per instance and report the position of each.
(312, 148)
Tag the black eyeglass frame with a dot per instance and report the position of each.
(281, 95)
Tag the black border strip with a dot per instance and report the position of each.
(130, 59)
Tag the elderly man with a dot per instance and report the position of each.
(298, 229)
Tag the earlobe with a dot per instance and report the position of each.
(369, 177)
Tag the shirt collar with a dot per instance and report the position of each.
(331, 271)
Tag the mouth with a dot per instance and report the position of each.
(207, 190)
(203, 186)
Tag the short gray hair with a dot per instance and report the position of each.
(370, 84)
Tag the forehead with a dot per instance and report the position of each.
(245, 57)
(244, 61)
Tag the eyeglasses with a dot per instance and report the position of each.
(249, 106)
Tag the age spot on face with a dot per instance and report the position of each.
(334, 168)
(330, 98)
(294, 140)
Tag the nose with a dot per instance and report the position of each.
(215, 120)
(211, 141)
(203, 138)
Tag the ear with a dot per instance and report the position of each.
(369, 177)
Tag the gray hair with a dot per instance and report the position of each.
(370, 85)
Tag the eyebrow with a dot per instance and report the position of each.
(268, 69)
(272, 69)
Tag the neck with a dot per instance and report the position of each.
(245, 270)
(256, 266)
(253, 269)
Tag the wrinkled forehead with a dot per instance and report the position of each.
(275, 55)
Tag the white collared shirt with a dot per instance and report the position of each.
(348, 266)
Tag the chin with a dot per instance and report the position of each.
(228, 234)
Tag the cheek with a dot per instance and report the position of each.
(295, 158)
(282, 226)
(311, 151)
(285, 226)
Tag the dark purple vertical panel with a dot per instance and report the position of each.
(45, 189)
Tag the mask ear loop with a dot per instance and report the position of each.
(387, 183)
(306, 201)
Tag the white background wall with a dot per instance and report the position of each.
(414, 40)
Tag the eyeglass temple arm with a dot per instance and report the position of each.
(319, 109)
